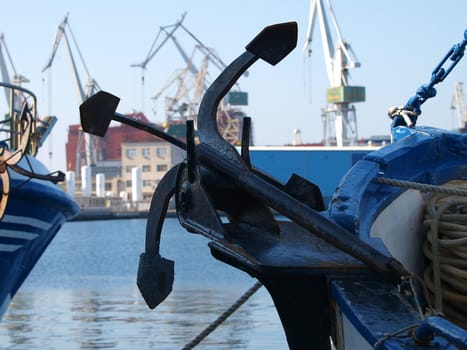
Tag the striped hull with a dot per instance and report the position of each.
(35, 212)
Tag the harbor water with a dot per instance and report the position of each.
(82, 294)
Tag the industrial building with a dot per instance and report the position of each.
(152, 159)
(121, 150)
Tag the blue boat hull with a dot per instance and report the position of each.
(35, 212)
(390, 218)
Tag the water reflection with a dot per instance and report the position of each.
(82, 295)
(74, 319)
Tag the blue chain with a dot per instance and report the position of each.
(407, 115)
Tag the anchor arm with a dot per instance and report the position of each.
(218, 156)
(156, 274)
(272, 45)
(300, 213)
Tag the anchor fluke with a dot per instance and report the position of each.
(274, 42)
(97, 112)
(155, 278)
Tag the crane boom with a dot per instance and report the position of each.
(200, 80)
(82, 94)
(339, 58)
(326, 38)
(61, 33)
(191, 81)
(3, 67)
(152, 52)
(215, 59)
(17, 78)
(171, 80)
(188, 60)
(57, 39)
(169, 32)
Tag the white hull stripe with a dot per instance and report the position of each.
(26, 220)
(4, 306)
(9, 247)
(17, 234)
(11, 233)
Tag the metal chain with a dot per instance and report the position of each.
(427, 91)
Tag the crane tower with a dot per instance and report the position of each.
(339, 116)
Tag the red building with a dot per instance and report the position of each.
(108, 148)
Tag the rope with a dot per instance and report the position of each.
(226, 314)
(445, 248)
(422, 187)
(410, 280)
(396, 334)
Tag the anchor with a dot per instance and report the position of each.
(291, 258)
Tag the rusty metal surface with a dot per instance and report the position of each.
(294, 250)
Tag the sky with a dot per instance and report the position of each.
(398, 44)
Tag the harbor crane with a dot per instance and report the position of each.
(16, 79)
(191, 82)
(339, 116)
(82, 94)
(16, 98)
(458, 103)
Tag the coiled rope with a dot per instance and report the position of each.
(445, 246)
(446, 250)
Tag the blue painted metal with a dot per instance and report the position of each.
(321, 165)
(433, 326)
(386, 320)
(431, 156)
(35, 212)
(374, 307)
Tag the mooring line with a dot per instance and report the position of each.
(421, 186)
(226, 314)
